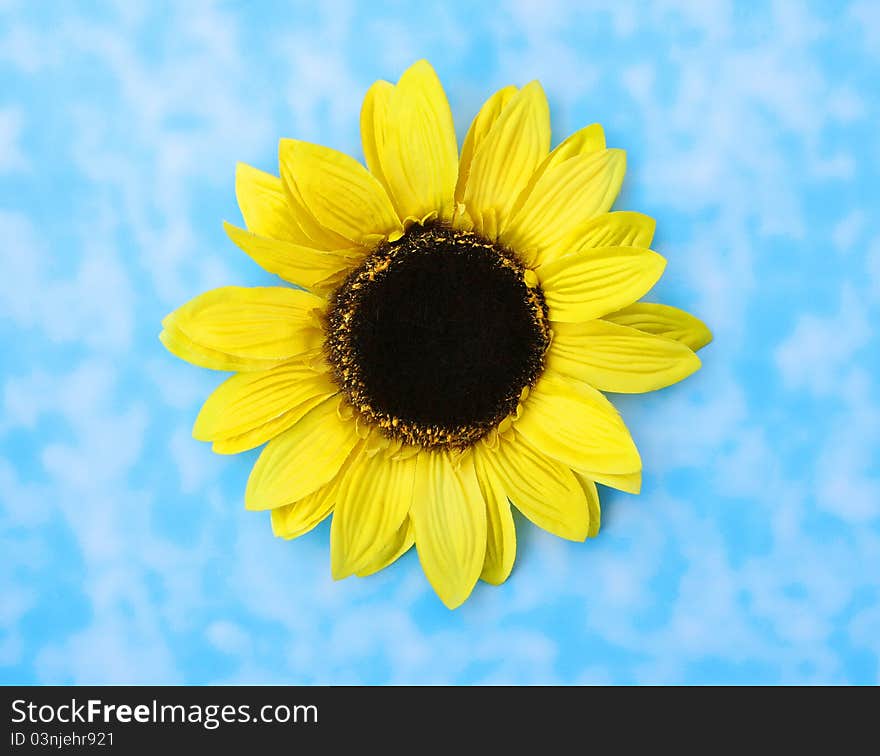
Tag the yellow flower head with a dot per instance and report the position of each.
(460, 315)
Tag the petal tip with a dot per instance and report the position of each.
(704, 337)
(453, 601)
(340, 571)
(422, 64)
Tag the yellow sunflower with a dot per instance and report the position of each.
(459, 316)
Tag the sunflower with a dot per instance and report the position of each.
(457, 319)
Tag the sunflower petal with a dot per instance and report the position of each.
(592, 496)
(374, 120)
(588, 140)
(317, 235)
(418, 153)
(265, 206)
(628, 482)
(621, 228)
(402, 542)
(373, 502)
(480, 127)
(566, 195)
(540, 487)
(502, 165)
(300, 265)
(258, 326)
(302, 459)
(663, 320)
(339, 192)
(584, 287)
(296, 519)
(180, 345)
(248, 409)
(449, 517)
(585, 141)
(575, 424)
(501, 532)
(612, 357)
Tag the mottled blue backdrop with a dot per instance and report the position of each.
(753, 553)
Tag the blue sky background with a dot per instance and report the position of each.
(753, 553)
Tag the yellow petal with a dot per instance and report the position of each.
(417, 150)
(628, 482)
(612, 357)
(575, 424)
(583, 287)
(666, 321)
(263, 325)
(302, 459)
(373, 501)
(621, 228)
(317, 235)
(592, 496)
(501, 533)
(508, 155)
(374, 120)
(402, 542)
(248, 409)
(303, 266)
(339, 192)
(180, 345)
(480, 127)
(265, 206)
(588, 140)
(540, 487)
(298, 518)
(563, 198)
(449, 517)
(585, 141)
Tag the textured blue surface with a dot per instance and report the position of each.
(753, 553)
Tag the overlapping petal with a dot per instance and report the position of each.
(301, 265)
(373, 502)
(617, 358)
(239, 328)
(265, 206)
(593, 505)
(479, 128)
(542, 488)
(299, 517)
(302, 459)
(401, 542)
(409, 142)
(249, 409)
(627, 482)
(576, 425)
(587, 286)
(621, 228)
(449, 517)
(506, 158)
(563, 198)
(342, 196)
(500, 530)
(663, 320)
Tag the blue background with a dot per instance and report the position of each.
(753, 553)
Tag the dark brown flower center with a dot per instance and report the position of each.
(436, 335)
